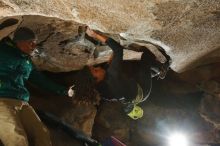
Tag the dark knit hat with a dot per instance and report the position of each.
(23, 33)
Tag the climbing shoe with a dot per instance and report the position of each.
(164, 69)
(165, 66)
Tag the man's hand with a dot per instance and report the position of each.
(93, 34)
(90, 32)
(71, 92)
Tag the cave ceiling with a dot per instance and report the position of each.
(188, 30)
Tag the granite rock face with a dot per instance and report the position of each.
(185, 29)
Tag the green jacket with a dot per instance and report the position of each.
(16, 68)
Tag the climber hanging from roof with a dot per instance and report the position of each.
(130, 86)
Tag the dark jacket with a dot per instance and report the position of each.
(16, 68)
(122, 77)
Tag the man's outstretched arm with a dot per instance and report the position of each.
(115, 46)
(37, 78)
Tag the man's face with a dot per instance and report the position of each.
(98, 73)
(27, 46)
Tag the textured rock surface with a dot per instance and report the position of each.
(182, 26)
(112, 121)
(80, 117)
(209, 107)
(185, 29)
